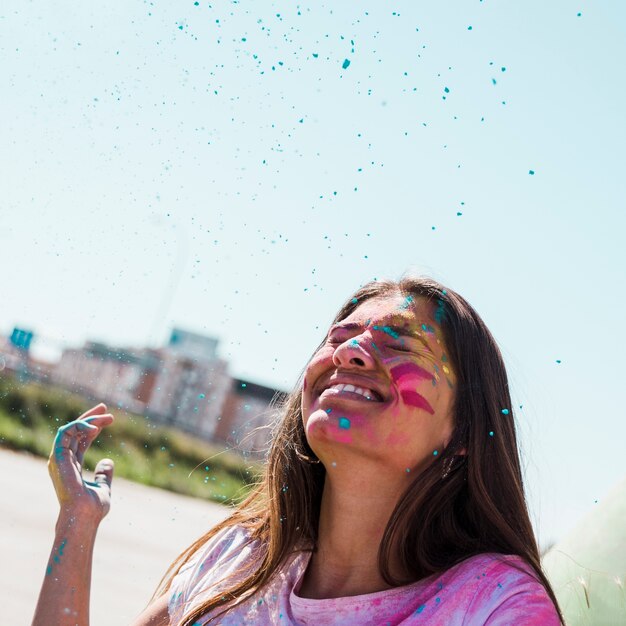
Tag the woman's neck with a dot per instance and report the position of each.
(355, 511)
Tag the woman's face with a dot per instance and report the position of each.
(381, 386)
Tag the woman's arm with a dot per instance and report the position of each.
(64, 595)
(155, 615)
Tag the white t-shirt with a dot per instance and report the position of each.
(487, 589)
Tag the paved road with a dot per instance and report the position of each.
(144, 531)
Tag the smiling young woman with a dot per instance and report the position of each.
(392, 493)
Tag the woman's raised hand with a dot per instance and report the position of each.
(77, 496)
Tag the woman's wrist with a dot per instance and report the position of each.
(75, 522)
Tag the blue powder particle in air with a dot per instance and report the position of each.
(355, 300)
(344, 423)
(435, 452)
(558, 360)
(346, 64)
(491, 433)
(504, 411)
(531, 172)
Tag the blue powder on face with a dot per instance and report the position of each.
(407, 302)
(440, 312)
(388, 330)
(344, 423)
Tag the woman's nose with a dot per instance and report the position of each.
(354, 352)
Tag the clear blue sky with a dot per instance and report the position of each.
(216, 167)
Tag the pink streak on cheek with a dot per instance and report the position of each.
(411, 375)
(342, 437)
(412, 370)
(412, 398)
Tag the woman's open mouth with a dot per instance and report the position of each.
(353, 392)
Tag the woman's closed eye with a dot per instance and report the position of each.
(398, 348)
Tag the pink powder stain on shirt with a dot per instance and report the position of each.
(484, 589)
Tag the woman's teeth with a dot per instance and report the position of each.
(368, 394)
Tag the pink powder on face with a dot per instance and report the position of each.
(407, 376)
(410, 369)
(412, 398)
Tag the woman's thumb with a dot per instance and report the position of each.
(104, 471)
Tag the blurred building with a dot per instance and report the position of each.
(191, 384)
(248, 416)
(120, 376)
(15, 356)
(183, 384)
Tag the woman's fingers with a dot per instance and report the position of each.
(99, 421)
(94, 410)
(68, 437)
(70, 444)
(103, 473)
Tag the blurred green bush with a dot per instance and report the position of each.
(154, 455)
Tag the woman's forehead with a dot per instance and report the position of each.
(396, 308)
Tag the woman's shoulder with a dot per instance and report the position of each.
(228, 551)
(499, 589)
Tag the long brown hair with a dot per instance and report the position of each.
(469, 501)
